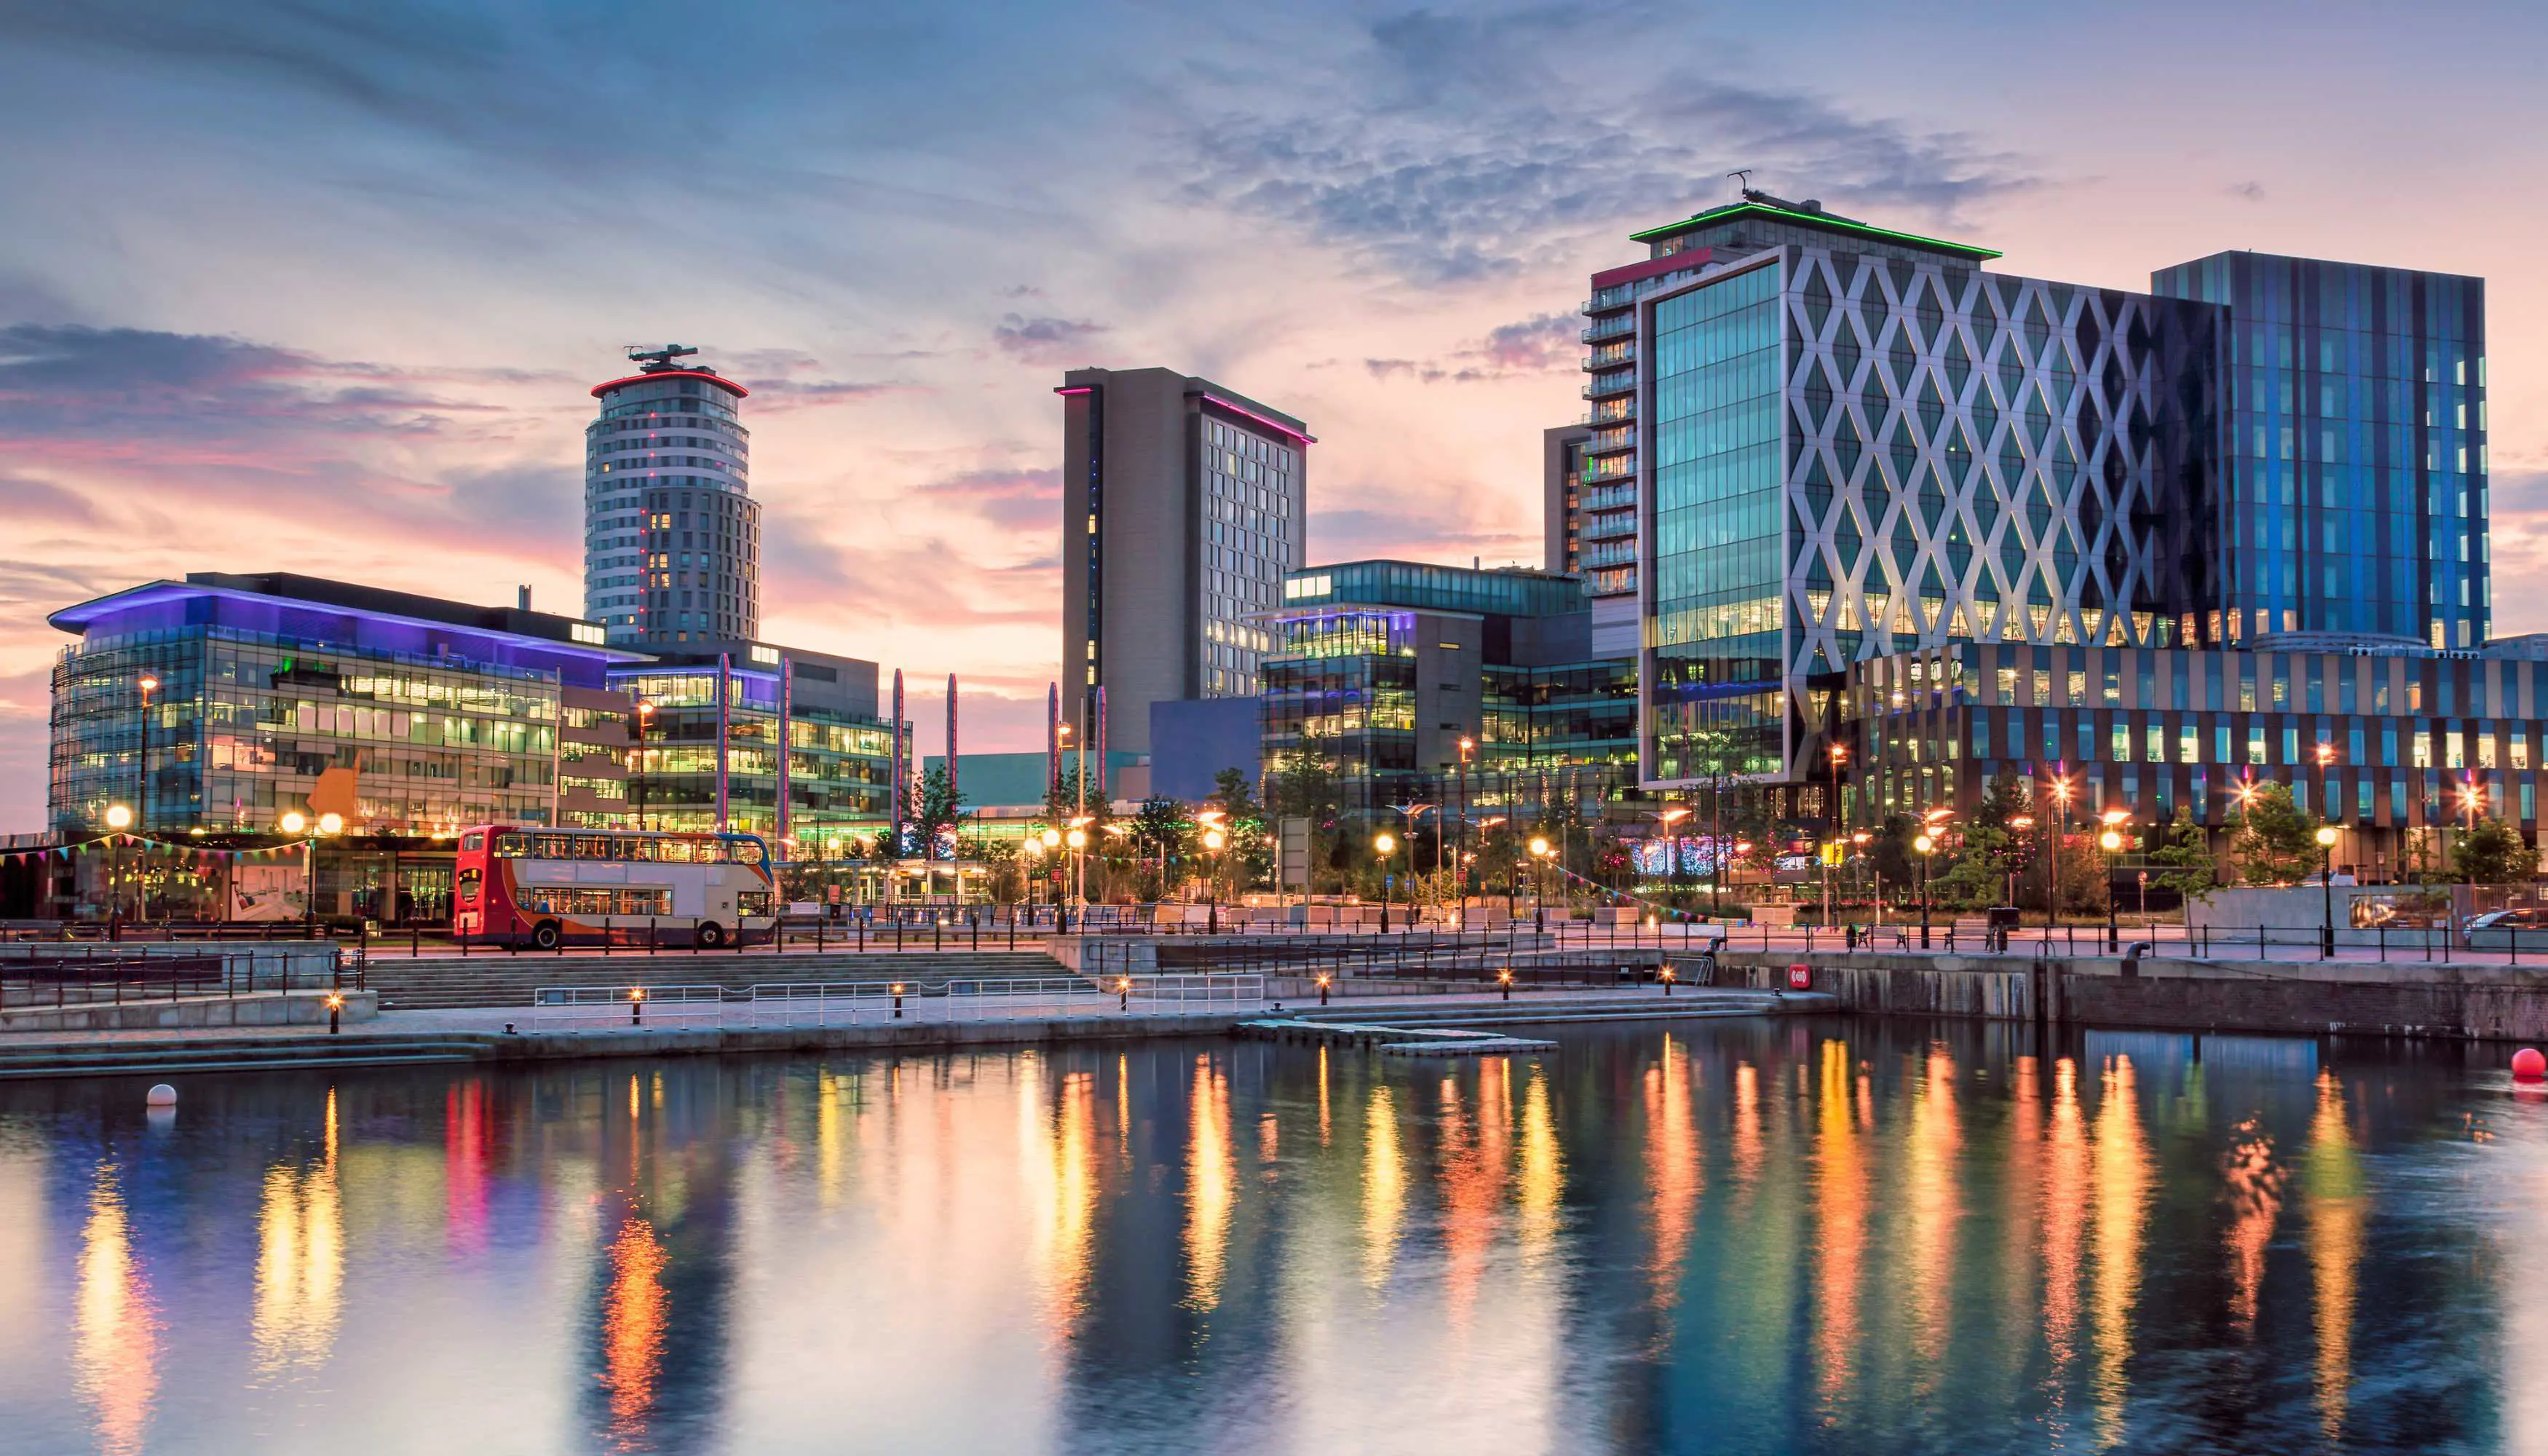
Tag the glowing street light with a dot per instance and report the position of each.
(2326, 890)
(1384, 844)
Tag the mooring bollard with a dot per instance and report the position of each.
(897, 1001)
(336, 1008)
(636, 1006)
(1322, 990)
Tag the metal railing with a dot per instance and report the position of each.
(802, 1004)
(98, 974)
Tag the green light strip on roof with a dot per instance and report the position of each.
(1816, 219)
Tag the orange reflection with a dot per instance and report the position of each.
(300, 1266)
(116, 1344)
(1937, 1145)
(1212, 1186)
(2064, 1200)
(1384, 1188)
(2256, 1191)
(1475, 1158)
(1543, 1172)
(2124, 1178)
(1066, 1256)
(1840, 1196)
(468, 1154)
(634, 1314)
(1747, 1147)
(2339, 1214)
(1324, 1125)
(1671, 1168)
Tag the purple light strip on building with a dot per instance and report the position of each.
(1276, 425)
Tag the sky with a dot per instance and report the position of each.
(323, 287)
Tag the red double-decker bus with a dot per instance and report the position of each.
(548, 887)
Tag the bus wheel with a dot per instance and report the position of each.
(546, 935)
(712, 936)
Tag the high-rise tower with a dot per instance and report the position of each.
(1183, 504)
(672, 536)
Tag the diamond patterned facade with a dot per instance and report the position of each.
(1853, 443)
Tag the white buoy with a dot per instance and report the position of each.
(161, 1095)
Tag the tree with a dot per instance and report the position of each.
(1160, 834)
(2185, 852)
(2273, 842)
(937, 806)
(1302, 785)
(1247, 858)
(2493, 853)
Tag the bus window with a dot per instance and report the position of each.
(469, 879)
(512, 846)
(752, 902)
(745, 851)
(474, 840)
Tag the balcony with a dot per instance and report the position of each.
(1623, 351)
(1610, 554)
(1609, 329)
(1608, 468)
(1609, 498)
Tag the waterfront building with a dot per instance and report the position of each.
(2351, 495)
(1847, 441)
(1406, 676)
(214, 707)
(2395, 742)
(1183, 504)
(1565, 508)
(710, 755)
(403, 714)
(672, 536)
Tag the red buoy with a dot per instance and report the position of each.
(2528, 1065)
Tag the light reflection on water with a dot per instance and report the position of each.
(1756, 1237)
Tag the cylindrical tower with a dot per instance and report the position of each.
(672, 536)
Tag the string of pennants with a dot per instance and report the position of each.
(111, 843)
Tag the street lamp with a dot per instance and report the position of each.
(1926, 846)
(1539, 853)
(1839, 756)
(1385, 843)
(637, 766)
(149, 686)
(2021, 823)
(2062, 825)
(1077, 838)
(117, 817)
(2111, 841)
(1213, 840)
(2326, 890)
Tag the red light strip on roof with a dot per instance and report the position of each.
(1276, 425)
(1076, 389)
(715, 379)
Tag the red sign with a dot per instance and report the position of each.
(1800, 977)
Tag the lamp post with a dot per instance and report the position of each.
(1925, 845)
(2326, 890)
(2062, 826)
(147, 685)
(1839, 756)
(2110, 839)
(1539, 853)
(1384, 843)
(1030, 865)
(637, 766)
(118, 816)
(1077, 838)
(1213, 840)
(2021, 823)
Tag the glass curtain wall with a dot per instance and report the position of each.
(1713, 626)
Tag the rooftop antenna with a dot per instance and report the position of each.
(1740, 176)
(654, 361)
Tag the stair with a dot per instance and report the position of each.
(1695, 1003)
(452, 983)
(169, 1056)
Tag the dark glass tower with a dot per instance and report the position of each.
(2351, 495)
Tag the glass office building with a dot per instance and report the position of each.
(711, 754)
(405, 715)
(1850, 442)
(1416, 681)
(2353, 489)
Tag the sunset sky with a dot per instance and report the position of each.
(323, 287)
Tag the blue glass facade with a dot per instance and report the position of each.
(2353, 462)
(1713, 628)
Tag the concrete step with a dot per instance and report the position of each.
(242, 1054)
(120, 1067)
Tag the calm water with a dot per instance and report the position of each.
(1763, 1236)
